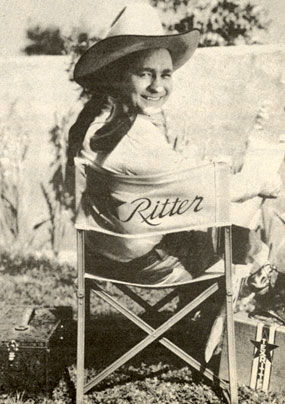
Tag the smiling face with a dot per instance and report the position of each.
(147, 82)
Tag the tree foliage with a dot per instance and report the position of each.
(51, 41)
(222, 22)
(44, 41)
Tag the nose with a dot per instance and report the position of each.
(156, 85)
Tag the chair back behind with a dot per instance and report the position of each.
(134, 206)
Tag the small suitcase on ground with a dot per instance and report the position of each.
(33, 343)
(260, 350)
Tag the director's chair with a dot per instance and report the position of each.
(203, 197)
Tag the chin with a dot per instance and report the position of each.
(151, 110)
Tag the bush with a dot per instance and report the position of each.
(51, 41)
(222, 22)
(44, 41)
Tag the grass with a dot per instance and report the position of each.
(153, 376)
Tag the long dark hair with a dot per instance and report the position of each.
(78, 130)
(102, 85)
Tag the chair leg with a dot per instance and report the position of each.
(87, 301)
(81, 318)
(149, 310)
(154, 334)
(230, 318)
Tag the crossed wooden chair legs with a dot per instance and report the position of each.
(152, 333)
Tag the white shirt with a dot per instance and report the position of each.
(144, 150)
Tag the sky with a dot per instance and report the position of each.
(97, 15)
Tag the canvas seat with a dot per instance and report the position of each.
(208, 186)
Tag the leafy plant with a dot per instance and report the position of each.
(51, 41)
(222, 22)
(14, 145)
(44, 41)
(60, 204)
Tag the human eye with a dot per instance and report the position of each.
(144, 74)
(167, 75)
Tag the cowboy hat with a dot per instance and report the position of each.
(137, 27)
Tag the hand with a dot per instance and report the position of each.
(271, 186)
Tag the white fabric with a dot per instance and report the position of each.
(136, 206)
(144, 150)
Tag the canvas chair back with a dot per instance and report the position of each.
(135, 207)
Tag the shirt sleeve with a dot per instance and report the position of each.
(243, 188)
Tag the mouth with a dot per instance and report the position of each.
(153, 98)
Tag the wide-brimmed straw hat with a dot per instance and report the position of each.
(137, 27)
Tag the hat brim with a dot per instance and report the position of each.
(106, 51)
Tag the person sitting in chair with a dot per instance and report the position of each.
(123, 129)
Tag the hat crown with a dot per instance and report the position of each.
(137, 19)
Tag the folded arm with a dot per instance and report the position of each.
(245, 186)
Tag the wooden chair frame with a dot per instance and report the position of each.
(83, 299)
